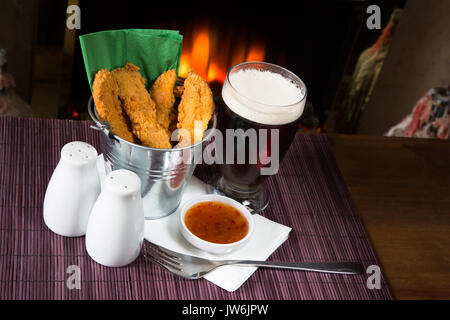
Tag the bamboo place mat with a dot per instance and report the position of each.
(308, 194)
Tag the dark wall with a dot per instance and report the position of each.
(17, 37)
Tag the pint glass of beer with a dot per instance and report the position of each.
(259, 112)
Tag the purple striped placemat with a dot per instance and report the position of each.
(308, 194)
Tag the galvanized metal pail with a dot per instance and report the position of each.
(164, 173)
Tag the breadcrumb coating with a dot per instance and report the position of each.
(105, 94)
(140, 107)
(196, 104)
(162, 94)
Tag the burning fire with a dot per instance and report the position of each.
(204, 53)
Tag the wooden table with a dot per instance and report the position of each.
(401, 188)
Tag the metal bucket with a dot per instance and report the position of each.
(164, 173)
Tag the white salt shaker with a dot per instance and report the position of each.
(115, 230)
(72, 190)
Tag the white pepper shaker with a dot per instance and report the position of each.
(115, 231)
(72, 190)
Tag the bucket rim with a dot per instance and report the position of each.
(106, 128)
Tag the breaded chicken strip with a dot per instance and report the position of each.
(140, 108)
(106, 98)
(196, 105)
(162, 94)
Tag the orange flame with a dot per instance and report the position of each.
(199, 55)
(256, 52)
(185, 64)
(216, 73)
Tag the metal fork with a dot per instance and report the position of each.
(191, 267)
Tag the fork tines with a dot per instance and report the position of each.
(162, 256)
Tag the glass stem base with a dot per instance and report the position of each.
(255, 201)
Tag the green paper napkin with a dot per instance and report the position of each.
(154, 51)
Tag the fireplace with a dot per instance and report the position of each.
(211, 49)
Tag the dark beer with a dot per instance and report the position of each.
(247, 177)
(266, 99)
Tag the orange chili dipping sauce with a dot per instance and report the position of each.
(216, 222)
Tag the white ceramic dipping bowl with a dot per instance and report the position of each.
(211, 247)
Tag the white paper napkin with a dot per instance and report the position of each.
(267, 237)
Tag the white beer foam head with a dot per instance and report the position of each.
(264, 96)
